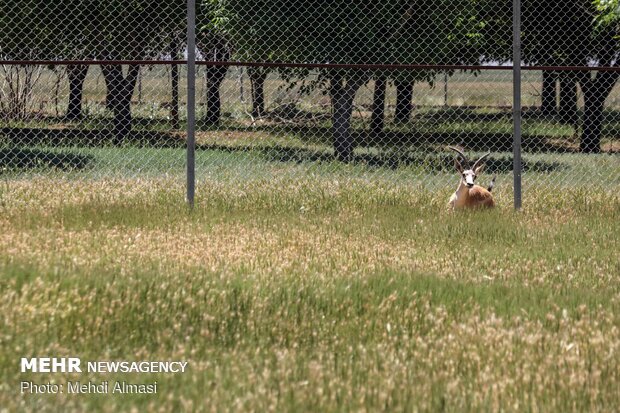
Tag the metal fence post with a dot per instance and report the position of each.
(191, 101)
(516, 100)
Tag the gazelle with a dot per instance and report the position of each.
(469, 195)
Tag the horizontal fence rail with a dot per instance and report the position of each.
(387, 67)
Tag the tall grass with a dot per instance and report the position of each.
(312, 295)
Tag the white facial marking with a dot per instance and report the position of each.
(469, 176)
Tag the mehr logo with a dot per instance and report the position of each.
(51, 365)
(72, 365)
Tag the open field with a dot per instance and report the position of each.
(312, 294)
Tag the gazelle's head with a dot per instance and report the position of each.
(468, 173)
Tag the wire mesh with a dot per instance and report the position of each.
(335, 89)
(570, 127)
(62, 114)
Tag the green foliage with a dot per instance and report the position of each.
(607, 21)
(314, 31)
(609, 12)
(76, 29)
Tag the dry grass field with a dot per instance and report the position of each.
(312, 294)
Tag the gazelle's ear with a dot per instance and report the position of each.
(458, 165)
(479, 169)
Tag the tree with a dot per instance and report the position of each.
(580, 33)
(551, 37)
(77, 29)
(604, 50)
(76, 75)
(548, 93)
(309, 31)
(22, 37)
(404, 105)
(568, 98)
(136, 30)
(218, 20)
(67, 20)
(340, 31)
(377, 119)
(257, 80)
(214, 47)
(435, 33)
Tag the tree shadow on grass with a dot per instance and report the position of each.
(310, 134)
(445, 163)
(21, 159)
(392, 149)
(89, 138)
(432, 162)
(470, 141)
(464, 114)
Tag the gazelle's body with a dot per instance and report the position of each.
(468, 195)
(474, 197)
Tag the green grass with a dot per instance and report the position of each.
(298, 293)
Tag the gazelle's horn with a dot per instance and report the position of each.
(479, 160)
(462, 155)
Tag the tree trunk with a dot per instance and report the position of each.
(548, 94)
(377, 119)
(174, 80)
(568, 99)
(341, 125)
(342, 94)
(404, 106)
(215, 77)
(76, 75)
(257, 79)
(595, 92)
(120, 89)
(592, 124)
(109, 97)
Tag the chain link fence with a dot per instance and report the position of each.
(334, 89)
